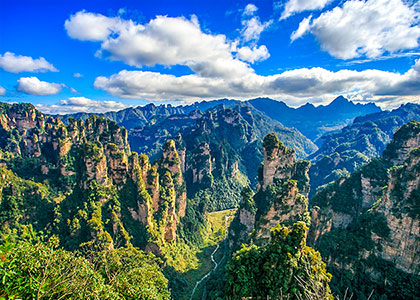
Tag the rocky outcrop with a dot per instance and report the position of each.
(171, 161)
(278, 161)
(278, 199)
(379, 206)
(400, 206)
(144, 202)
(201, 164)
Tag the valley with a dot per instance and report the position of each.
(214, 191)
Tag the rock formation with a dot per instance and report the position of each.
(377, 210)
(278, 199)
(94, 172)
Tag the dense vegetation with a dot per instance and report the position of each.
(370, 242)
(284, 269)
(82, 216)
(344, 151)
(222, 148)
(32, 267)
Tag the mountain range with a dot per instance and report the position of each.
(76, 195)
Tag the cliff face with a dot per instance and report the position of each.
(378, 208)
(220, 149)
(278, 199)
(343, 152)
(400, 206)
(96, 177)
(273, 223)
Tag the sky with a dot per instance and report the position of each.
(95, 56)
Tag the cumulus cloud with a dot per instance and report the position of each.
(77, 75)
(368, 28)
(2, 91)
(86, 26)
(297, 86)
(296, 6)
(164, 41)
(81, 104)
(13, 63)
(253, 28)
(250, 9)
(34, 86)
(253, 54)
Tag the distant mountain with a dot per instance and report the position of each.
(130, 117)
(205, 105)
(344, 151)
(139, 116)
(314, 121)
(311, 121)
(220, 148)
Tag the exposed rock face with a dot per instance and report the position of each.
(202, 167)
(278, 199)
(405, 139)
(278, 161)
(171, 161)
(93, 156)
(288, 207)
(379, 203)
(400, 207)
(244, 221)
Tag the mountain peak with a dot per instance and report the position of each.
(340, 100)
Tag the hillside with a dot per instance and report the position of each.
(130, 117)
(344, 151)
(271, 225)
(366, 225)
(90, 176)
(311, 121)
(220, 149)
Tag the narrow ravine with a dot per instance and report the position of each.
(208, 274)
(212, 259)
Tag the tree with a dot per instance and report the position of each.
(284, 269)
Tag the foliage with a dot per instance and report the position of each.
(33, 269)
(284, 269)
(42, 271)
(346, 150)
(270, 143)
(132, 273)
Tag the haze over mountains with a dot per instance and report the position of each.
(311, 121)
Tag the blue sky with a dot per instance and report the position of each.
(69, 56)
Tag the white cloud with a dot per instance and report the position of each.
(303, 28)
(86, 26)
(77, 75)
(253, 28)
(296, 86)
(220, 67)
(296, 6)
(253, 54)
(2, 91)
(250, 10)
(33, 86)
(368, 28)
(13, 63)
(81, 104)
(164, 40)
